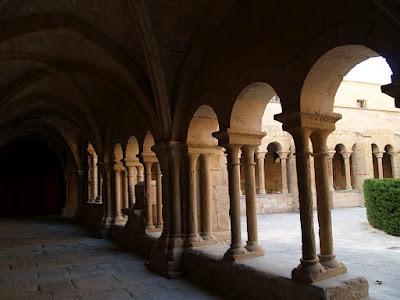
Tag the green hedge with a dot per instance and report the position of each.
(382, 199)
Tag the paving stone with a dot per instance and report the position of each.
(56, 286)
(60, 261)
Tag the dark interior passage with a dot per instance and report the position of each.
(31, 180)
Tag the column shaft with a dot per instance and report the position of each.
(309, 268)
(346, 158)
(140, 171)
(95, 177)
(149, 198)
(125, 188)
(118, 192)
(236, 247)
(324, 198)
(192, 235)
(261, 172)
(379, 157)
(132, 180)
(159, 195)
(206, 197)
(251, 199)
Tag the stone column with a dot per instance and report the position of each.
(118, 169)
(324, 200)
(206, 232)
(192, 236)
(330, 169)
(251, 200)
(159, 195)
(95, 177)
(283, 157)
(132, 180)
(261, 173)
(236, 249)
(149, 198)
(346, 158)
(393, 160)
(99, 198)
(140, 172)
(309, 268)
(125, 191)
(379, 156)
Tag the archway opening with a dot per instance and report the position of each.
(273, 168)
(31, 180)
(387, 162)
(339, 175)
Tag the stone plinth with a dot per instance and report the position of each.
(259, 277)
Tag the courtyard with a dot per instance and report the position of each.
(365, 250)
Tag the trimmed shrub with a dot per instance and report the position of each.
(382, 199)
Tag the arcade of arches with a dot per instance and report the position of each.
(160, 123)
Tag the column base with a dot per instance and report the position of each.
(166, 257)
(234, 254)
(193, 241)
(151, 228)
(332, 265)
(309, 271)
(254, 249)
(118, 220)
(209, 238)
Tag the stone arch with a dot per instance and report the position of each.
(339, 176)
(203, 123)
(272, 168)
(248, 109)
(204, 157)
(323, 79)
(387, 163)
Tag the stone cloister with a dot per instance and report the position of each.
(172, 119)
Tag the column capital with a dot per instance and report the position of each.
(261, 154)
(131, 162)
(283, 154)
(378, 154)
(248, 152)
(118, 167)
(228, 136)
(331, 153)
(311, 120)
(346, 154)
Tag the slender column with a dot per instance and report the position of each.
(309, 268)
(125, 195)
(140, 171)
(236, 247)
(261, 173)
(159, 195)
(149, 198)
(95, 177)
(330, 169)
(206, 197)
(90, 175)
(346, 158)
(192, 235)
(393, 160)
(324, 199)
(132, 180)
(251, 198)
(118, 169)
(283, 157)
(99, 198)
(379, 156)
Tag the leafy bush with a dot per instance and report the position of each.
(382, 199)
